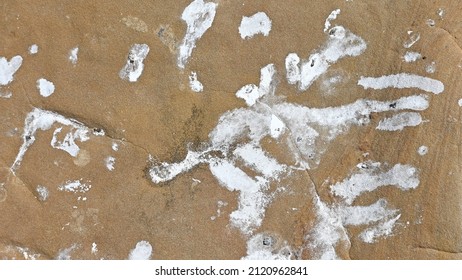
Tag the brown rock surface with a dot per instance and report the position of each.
(159, 118)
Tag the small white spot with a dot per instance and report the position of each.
(441, 12)
(430, 22)
(142, 251)
(75, 186)
(46, 88)
(277, 127)
(194, 84)
(134, 66)
(423, 150)
(8, 69)
(413, 38)
(431, 68)
(460, 102)
(33, 49)
(94, 248)
(259, 23)
(333, 15)
(110, 161)
(411, 56)
(115, 147)
(73, 55)
(42, 193)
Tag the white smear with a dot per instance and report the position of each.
(251, 93)
(411, 56)
(402, 80)
(369, 179)
(109, 161)
(383, 229)
(134, 65)
(441, 12)
(46, 88)
(341, 43)
(266, 247)
(115, 146)
(459, 102)
(333, 15)
(39, 119)
(431, 68)
(75, 186)
(194, 84)
(33, 49)
(277, 127)
(423, 150)
(94, 248)
(255, 157)
(400, 121)
(68, 143)
(42, 193)
(142, 251)
(8, 69)
(199, 17)
(65, 254)
(413, 38)
(292, 68)
(259, 23)
(73, 55)
(5, 95)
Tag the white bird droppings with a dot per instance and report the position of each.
(258, 23)
(142, 251)
(45, 87)
(134, 65)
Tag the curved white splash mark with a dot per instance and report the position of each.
(413, 38)
(333, 15)
(45, 87)
(142, 251)
(411, 56)
(195, 84)
(251, 93)
(134, 65)
(110, 162)
(430, 68)
(8, 69)
(402, 80)
(42, 193)
(76, 186)
(400, 121)
(258, 23)
(33, 49)
(199, 17)
(459, 102)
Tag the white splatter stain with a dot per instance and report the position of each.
(42, 193)
(94, 248)
(459, 102)
(402, 80)
(333, 15)
(413, 38)
(33, 49)
(411, 57)
(423, 150)
(194, 84)
(400, 121)
(109, 161)
(76, 186)
(8, 69)
(134, 65)
(45, 87)
(142, 251)
(73, 55)
(199, 17)
(258, 23)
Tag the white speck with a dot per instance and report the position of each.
(5, 95)
(8, 69)
(411, 56)
(115, 146)
(431, 68)
(33, 49)
(430, 22)
(258, 23)
(84, 199)
(194, 84)
(413, 38)
(134, 65)
(333, 15)
(341, 43)
(94, 248)
(400, 121)
(277, 127)
(199, 17)
(265, 247)
(423, 150)
(46, 88)
(460, 102)
(142, 251)
(251, 93)
(42, 193)
(441, 12)
(402, 80)
(75, 186)
(110, 161)
(369, 179)
(68, 143)
(73, 55)
(383, 229)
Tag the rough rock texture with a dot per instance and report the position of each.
(104, 201)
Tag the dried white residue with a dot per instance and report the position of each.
(220, 204)
(8, 69)
(194, 84)
(413, 38)
(142, 251)
(39, 119)
(402, 80)
(76, 186)
(199, 17)
(341, 43)
(134, 65)
(251, 93)
(431, 68)
(400, 121)
(430, 22)
(6, 94)
(369, 177)
(441, 12)
(115, 146)
(42, 193)
(423, 150)
(109, 161)
(411, 56)
(45, 87)
(65, 254)
(258, 23)
(94, 248)
(33, 49)
(73, 55)
(459, 102)
(264, 246)
(26, 253)
(333, 15)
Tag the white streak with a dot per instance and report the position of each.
(333, 15)
(400, 121)
(110, 161)
(75, 186)
(134, 65)
(194, 84)
(292, 68)
(255, 157)
(142, 251)
(46, 88)
(73, 55)
(459, 102)
(402, 80)
(8, 69)
(258, 23)
(411, 56)
(413, 38)
(199, 17)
